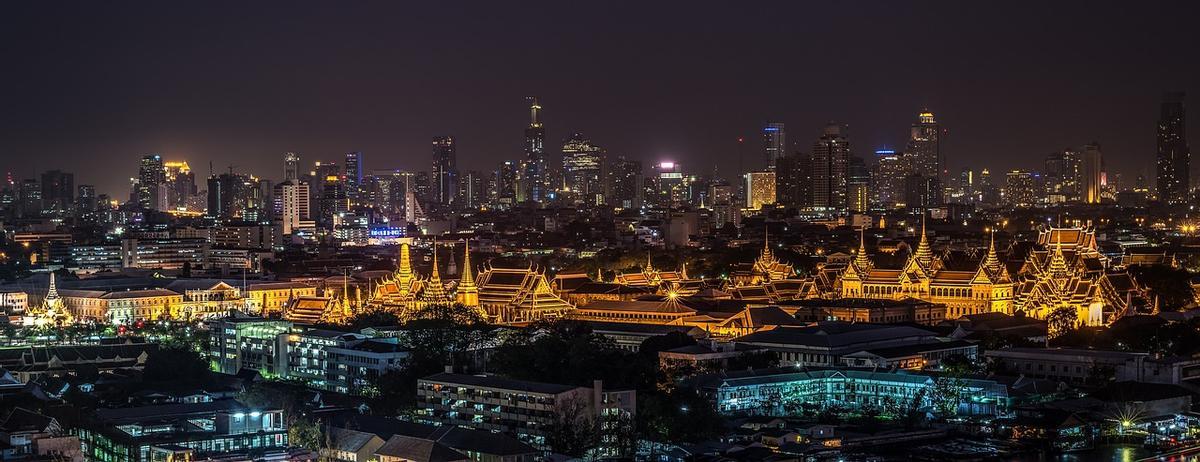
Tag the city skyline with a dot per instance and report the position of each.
(123, 109)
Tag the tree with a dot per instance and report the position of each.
(1061, 321)
(305, 433)
(573, 432)
(176, 364)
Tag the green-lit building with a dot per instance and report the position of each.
(784, 392)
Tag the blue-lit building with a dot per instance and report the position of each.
(783, 392)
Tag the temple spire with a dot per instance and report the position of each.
(466, 293)
(860, 259)
(52, 293)
(404, 272)
(434, 292)
(923, 255)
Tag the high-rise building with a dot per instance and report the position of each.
(1091, 173)
(831, 154)
(472, 190)
(506, 184)
(85, 200)
(354, 175)
(774, 143)
(667, 186)
(924, 153)
(291, 199)
(226, 196)
(583, 164)
(625, 183)
(760, 189)
(1063, 176)
(58, 190)
(889, 173)
(793, 180)
(534, 180)
(722, 200)
(329, 193)
(1174, 159)
(151, 175)
(1019, 189)
(180, 184)
(858, 181)
(445, 170)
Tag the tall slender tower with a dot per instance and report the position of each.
(1174, 159)
(534, 180)
(830, 158)
(466, 293)
(445, 169)
(774, 143)
(925, 152)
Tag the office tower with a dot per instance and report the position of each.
(722, 198)
(858, 180)
(291, 198)
(889, 173)
(30, 198)
(1063, 176)
(327, 193)
(472, 192)
(151, 175)
(760, 189)
(1019, 189)
(354, 175)
(924, 154)
(667, 186)
(583, 164)
(1174, 158)
(534, 178)
(85, 199)
(1091, 172)
(445, 170)
(967, 185)
(792, 180)
(506, 184)
(830, 156)
(774, 143)
(225, 196)
(180, 184)
(625, 183)
(58, 190)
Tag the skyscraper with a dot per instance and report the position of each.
(625, 183)
(831, 154)
(354, 174)
(793, 180)
(760, 189)
(582, 170)
(180, 184)
(507, 181)
(291, 199)
(1091, 173)
(291, 166)
(534, 178)
(890, 170)
(858, 180)
(774, 143)
(58, 190)
(924, 151)
(151, 175)
(1174, 158)
(445, 170)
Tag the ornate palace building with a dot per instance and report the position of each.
(1066, 270)
(924, 277)
(518, 295)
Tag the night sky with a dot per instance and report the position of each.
(91, 86)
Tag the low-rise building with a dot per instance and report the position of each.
(1076, 365)
(824, 344)
(524, 409)
(869, 310)
(783, 392)
(188, 431)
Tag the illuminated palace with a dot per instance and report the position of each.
(1065, 269)
(923, 276)
(406, 294)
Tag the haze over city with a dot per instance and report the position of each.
(96, 86)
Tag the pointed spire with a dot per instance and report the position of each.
(924, 254)
(992, 261)
(467, 278)
(683, 271)
(466, 293)
(649, 266)
(52, 293)
(433, 274)
(860, 260)
(404, 271)
(434, 292)
(599, 275)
